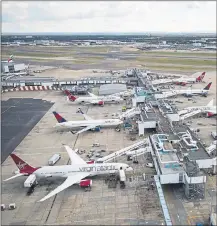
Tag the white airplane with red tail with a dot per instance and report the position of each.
(184, 80)
(180, 81)
(75, 173)
(93, 99)
(209, 109)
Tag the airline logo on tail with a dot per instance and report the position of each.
(201, 77)
(58, 117)
(70, 96)
(208, 86)
(23, 166)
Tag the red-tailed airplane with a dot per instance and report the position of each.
(93, 99)
(74, 173)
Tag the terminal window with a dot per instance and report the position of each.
(11, 68)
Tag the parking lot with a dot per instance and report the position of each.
(136, 204)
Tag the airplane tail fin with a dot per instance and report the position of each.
(210, 104)
(22, 165)
(10, 58)
(58, 117)
(70, 96)
(208, 86)
(201, 77)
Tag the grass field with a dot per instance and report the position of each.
(182, 61)
(170, 61)
(183, 53)
(178, 68)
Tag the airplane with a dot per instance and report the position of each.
(74, 173)
(186, 93)
(108, 98)
(181, 80)
(191, 92)
(210, 109)
(88, 123)
(92, 99)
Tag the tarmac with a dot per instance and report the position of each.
(18, 117)
(134, 205)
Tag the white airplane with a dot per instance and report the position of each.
(108, 98)
(210, 109)
(187, 92)
(180, 81)
(191, 92)
(88, 123)
(183, 80)
(74, 173)
(93, 99)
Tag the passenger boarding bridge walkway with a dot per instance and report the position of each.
(113, 156)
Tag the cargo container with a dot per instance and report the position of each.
(122, 175)
(54, 159)
(30, 181)
(96, 145)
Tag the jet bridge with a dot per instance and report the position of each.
(130, 113)
(139, 152)
(121, 152)
(183, 117)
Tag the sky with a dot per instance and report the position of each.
(108, 16)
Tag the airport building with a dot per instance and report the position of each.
(11, 67)
(108, 89)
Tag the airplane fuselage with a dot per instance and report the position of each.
(67, 170)
(97, 99)
(84, 123)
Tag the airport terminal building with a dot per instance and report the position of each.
(109, 89)
(11, 67)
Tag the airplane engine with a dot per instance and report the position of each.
(187, 95)
(85, 183)
(101, 103)
(209, 114)
(90, 162)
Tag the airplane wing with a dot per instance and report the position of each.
(87, 128)
(17, 175)
(72, 179)
(92, 95)
(190, 114)
(75, 159)
(85, 116)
